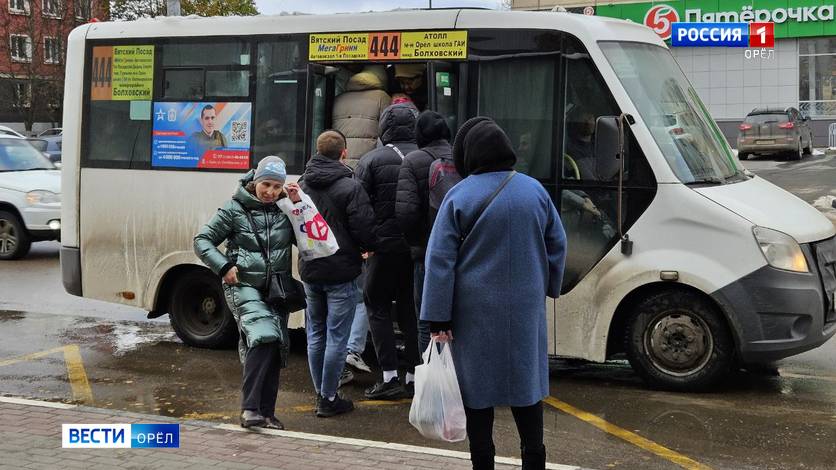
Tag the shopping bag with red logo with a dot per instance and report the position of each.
(314, 237)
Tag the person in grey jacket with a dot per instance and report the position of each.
(264, 341)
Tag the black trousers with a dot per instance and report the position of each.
(388, 279)
(529, 420)
(261, 379)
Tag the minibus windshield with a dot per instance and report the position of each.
(678, 120)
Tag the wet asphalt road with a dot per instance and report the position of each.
(778, 416)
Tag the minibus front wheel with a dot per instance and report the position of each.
(678, 340)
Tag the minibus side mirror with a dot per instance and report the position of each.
(610, 148)
(607, 148)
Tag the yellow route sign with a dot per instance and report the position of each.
(388, 46)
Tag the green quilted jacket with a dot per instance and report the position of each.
(230, 224)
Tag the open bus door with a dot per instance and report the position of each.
(319, 103)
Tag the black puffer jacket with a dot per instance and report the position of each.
(412, 204)
(342, 201)
(378, 171)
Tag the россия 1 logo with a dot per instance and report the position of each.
(723, 35)
(660, 19)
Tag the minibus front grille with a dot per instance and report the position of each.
(825, 254)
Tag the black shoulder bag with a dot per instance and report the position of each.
(485, 205)
(283, 291)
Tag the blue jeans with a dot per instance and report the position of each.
(328, 324)
(359, 330)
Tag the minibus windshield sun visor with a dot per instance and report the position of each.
(677, 119)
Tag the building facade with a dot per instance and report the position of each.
(800, 71)
(33, 38)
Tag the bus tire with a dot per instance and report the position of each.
(199, 314)
(14, 239)
(678, 341)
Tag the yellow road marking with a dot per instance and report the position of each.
(31, 357)
(632, 438)
(77, 375)
(75, 369)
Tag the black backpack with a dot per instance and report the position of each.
(442, 177)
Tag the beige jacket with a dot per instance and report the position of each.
(357, 111)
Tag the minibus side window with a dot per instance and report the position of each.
(588, 200)
(279, 111)
(519, 95)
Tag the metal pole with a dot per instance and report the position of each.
(173, 7)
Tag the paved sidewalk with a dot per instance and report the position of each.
(30, 438)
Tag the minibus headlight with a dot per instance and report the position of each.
(42, 197)
(781, 250)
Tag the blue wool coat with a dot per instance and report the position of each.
(493, 286)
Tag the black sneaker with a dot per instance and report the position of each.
(337, 406)
(391, 390)
(409, 390)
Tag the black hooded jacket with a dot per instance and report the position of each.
(481, 146)
(412, 203)
(345, 206)
(378, 172)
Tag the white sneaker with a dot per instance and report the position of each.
(345, 377)
(355, 361)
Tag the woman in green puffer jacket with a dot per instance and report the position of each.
(264, 342)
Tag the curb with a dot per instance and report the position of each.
(362, 443)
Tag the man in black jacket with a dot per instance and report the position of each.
(331, 282)
(412, 203)
(389, 271)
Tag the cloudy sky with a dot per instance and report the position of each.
(270, 7)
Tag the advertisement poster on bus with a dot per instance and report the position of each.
(201, 135)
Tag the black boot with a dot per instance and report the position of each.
(483, 459)
(534, 459)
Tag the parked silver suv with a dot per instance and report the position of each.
(769, 131)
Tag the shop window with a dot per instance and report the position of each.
(817, 85)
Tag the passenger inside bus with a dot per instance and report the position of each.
(357, 110)
(413, 83)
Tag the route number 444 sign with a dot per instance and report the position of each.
(380, 46)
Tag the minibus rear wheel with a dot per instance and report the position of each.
(198, 311)
(678, 340)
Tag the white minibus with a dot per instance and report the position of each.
(678, 258)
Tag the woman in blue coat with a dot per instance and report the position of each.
(488, 288)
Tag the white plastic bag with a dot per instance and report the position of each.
(314, 237)
(437, 410)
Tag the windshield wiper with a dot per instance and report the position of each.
(33, 169)
(707, 180)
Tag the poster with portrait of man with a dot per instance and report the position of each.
(207, 135)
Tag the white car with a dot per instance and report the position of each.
(55, 131)
(9, 131)
(30, 198)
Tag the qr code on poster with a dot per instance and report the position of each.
(240, 132)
